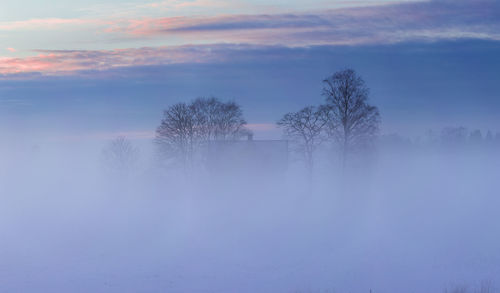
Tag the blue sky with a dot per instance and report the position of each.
(99, 68)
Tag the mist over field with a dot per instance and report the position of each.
(402, 219)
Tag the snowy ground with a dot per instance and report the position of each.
(419, 223)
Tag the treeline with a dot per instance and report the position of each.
(458, 137)
(346, 124)
(345, 120)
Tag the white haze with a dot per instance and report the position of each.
(398, 220)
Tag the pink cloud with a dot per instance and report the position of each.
(40, 63)
(176, 4)
(12, 50)
(54, 62)
(145, 26)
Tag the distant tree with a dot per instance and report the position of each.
(454, 136)
(489, 137)
(306, 130)
(186, 128)
(356, 122)
(120, 155)
(457, 289)
(431, 137)
(476, 136)
(395, 141)
(486, 286)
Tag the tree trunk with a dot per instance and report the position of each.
(310, 167)
(344, 155)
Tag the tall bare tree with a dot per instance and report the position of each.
(186, 128)
(356, 122)
(306, 130)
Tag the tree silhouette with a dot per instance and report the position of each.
(355, 122)
(306, 131)
(120, 155)
(177, 134)
(186, 128)
(217, 120)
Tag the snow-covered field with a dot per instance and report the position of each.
(406, 222)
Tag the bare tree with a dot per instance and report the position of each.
(218, 120)
(186, 128)
(306, 130)
(356, 122)
(178, 133)
(120, 155)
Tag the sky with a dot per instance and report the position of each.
(96, 69)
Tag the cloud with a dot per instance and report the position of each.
(57, 62)
(46, 23)
(349, 26)
(177, 4)
(101, 62)
(215, 39)
(370, 24)
(12, 50)
(130, 134)
(15, 102)
(260, 128)
(223, 23)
